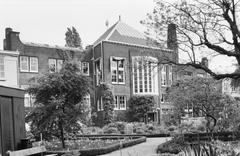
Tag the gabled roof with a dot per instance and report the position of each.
(123, 33)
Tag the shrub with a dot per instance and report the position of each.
(120, 126)
(139, 106)
(110, 130)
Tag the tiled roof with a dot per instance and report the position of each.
(123, 33)
(52, 46)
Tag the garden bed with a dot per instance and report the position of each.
(89, 147)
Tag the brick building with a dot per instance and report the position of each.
(35, 59)
(126, 60)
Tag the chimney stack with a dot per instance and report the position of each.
(172, 40)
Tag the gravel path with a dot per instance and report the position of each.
(147, 148)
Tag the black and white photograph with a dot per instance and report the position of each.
(120, 77)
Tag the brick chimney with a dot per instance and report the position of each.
(172, 40)
(204, 61)
(11, 39)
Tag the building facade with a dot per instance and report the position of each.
(123, 58)
(9, 68)
(36, 59)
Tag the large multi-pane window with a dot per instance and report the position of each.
(2, 70)
(117, 70)
(120, 102)
(28, 64)
(145, 75)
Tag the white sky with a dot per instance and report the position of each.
(46, 21)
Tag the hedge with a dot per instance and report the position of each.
(103, 150)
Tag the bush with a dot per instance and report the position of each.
(110, 130)
(120, 126)
(173, 146)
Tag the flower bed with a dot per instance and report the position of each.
(88, 147)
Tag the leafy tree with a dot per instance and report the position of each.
(200, 94)
(207, 28)
(73, 39)
(108, 103)
(59, 105)
(139, 106)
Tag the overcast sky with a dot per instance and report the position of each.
(46, 21)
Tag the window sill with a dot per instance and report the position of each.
(123, 109)
(117, 83)
(145, 93)
(33, 72)
(3, 79)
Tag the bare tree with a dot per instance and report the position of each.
(203, 26)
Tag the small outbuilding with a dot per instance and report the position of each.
(12, 123)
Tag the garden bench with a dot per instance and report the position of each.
(30, 151)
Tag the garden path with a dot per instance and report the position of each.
(147, 148)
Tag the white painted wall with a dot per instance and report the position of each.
(10, 69)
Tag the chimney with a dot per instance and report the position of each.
(7, 40)
(172, 40)
(11, 39)
(204, 62)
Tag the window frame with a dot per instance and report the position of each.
(30, 64)
(49, 67)
(149, 75)
(100, 103)
(20, 63)
(117, 102)
(117, 69)
(82, 68)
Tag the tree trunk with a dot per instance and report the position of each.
(62, 134)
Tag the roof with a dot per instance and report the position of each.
(52, 46)
(123, 33)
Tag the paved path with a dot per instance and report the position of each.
(147, 148)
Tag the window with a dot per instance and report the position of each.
(120, 103)
(33, 64)
(86, 100)
(52, 64)
(55, 65)
(28, 64)
(24, 64)
(59, 65)
(164, 75)
(117, 70)
(169, 75)
(85, 68)
(145, 75)
(100, 104)
(2, 70)
(98, 71)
